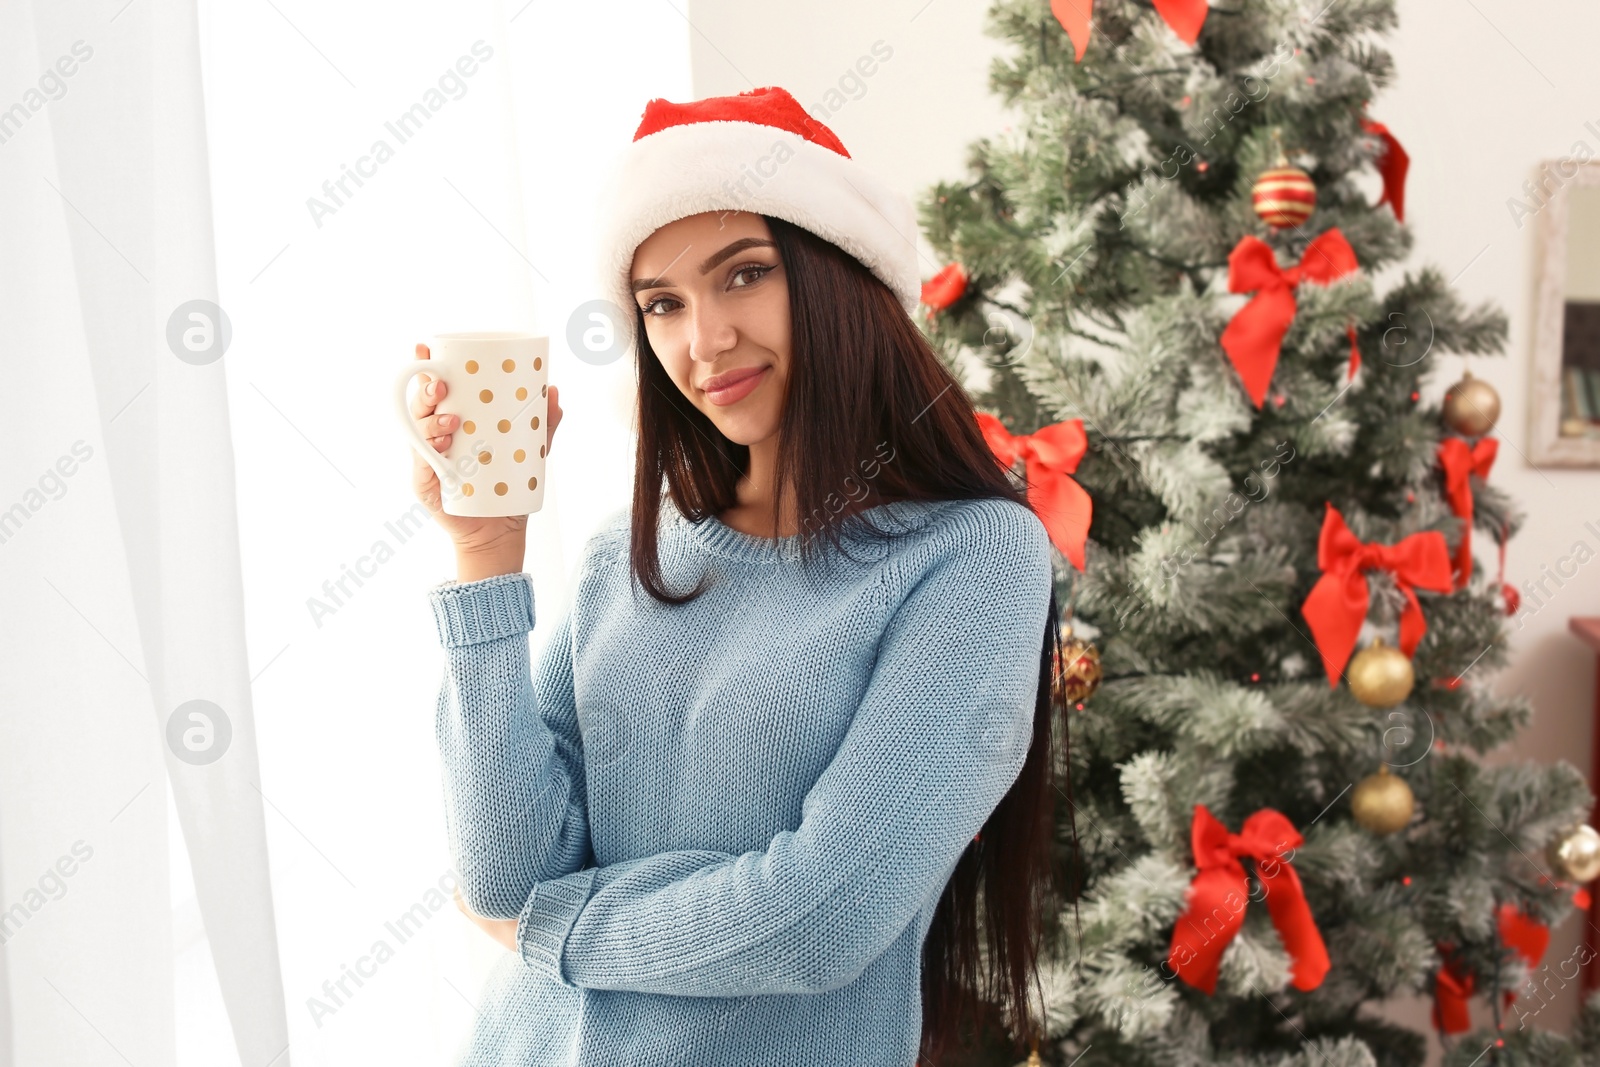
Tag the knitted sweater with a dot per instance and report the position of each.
(723, 827)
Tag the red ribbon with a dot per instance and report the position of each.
(1185, 17)
(1508, 592)
(1217, 897)
(1459, 461)
(945, 287)
(1355, 353)
(1393, 165)
(1254, 336)
(1050, 457)
(1337, 604)
(1524, 934)
(1452, 986)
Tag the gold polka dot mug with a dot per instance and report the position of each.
(497, 382)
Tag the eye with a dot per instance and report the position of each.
(649, 307)
(760, 270)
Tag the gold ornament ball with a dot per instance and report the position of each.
(1284, 196)
(1382, 803)
(1381, 676)
(1471, 406)
(1078, 671)
(1576, 854)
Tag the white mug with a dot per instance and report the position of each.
(497, 382)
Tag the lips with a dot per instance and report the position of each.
(732, 377)
(742, 384)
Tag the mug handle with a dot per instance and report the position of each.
(408, 423)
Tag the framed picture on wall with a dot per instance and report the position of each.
(1564, 429)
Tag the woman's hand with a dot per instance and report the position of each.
(488, 544)
(502, 930)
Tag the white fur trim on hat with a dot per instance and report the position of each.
(745, 166)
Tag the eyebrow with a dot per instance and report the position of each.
(711, 261)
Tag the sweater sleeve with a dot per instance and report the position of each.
(515, 802)
(942, 731)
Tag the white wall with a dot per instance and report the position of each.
(1483, 94)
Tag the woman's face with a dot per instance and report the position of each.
(716, 307)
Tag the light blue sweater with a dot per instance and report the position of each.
(723, 827)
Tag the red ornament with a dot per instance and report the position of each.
(1215, 903)
(1050, 457)
(1459, 461)
(1337, 604)
(945, 287)
(1283, 197)
(1254, 337)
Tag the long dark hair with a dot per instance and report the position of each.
(862, 373)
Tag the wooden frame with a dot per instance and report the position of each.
(1546, 446)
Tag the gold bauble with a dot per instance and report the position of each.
(1471, 406)
(1380, 676)
(1078, 672)
(1382, 803)
(1576, 854)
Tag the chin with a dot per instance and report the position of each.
(744, 429)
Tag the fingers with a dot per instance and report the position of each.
(437, 429)
(431, 392)
(555, 415)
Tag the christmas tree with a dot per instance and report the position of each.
(1162, 283)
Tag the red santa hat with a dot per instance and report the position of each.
(760, 152)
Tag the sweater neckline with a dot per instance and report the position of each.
(717, 536)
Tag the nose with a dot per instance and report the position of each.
(711, 331)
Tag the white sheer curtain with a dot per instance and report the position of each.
(204, 505)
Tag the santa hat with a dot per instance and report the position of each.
(760, 152)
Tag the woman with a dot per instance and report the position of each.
(799, 707)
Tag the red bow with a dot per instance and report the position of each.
(1185, 17)
(1050, 456)
(1459, 461)
(1393, 165)
(1453, 984)
(945, 287)
(1338, 602)
(1219, 892)
(1254, 336)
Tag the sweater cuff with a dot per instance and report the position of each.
(547, 918)
(465, 613)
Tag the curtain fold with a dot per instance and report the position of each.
(119, 158)
(164, 473)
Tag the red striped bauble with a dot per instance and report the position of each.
(1284, 197)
